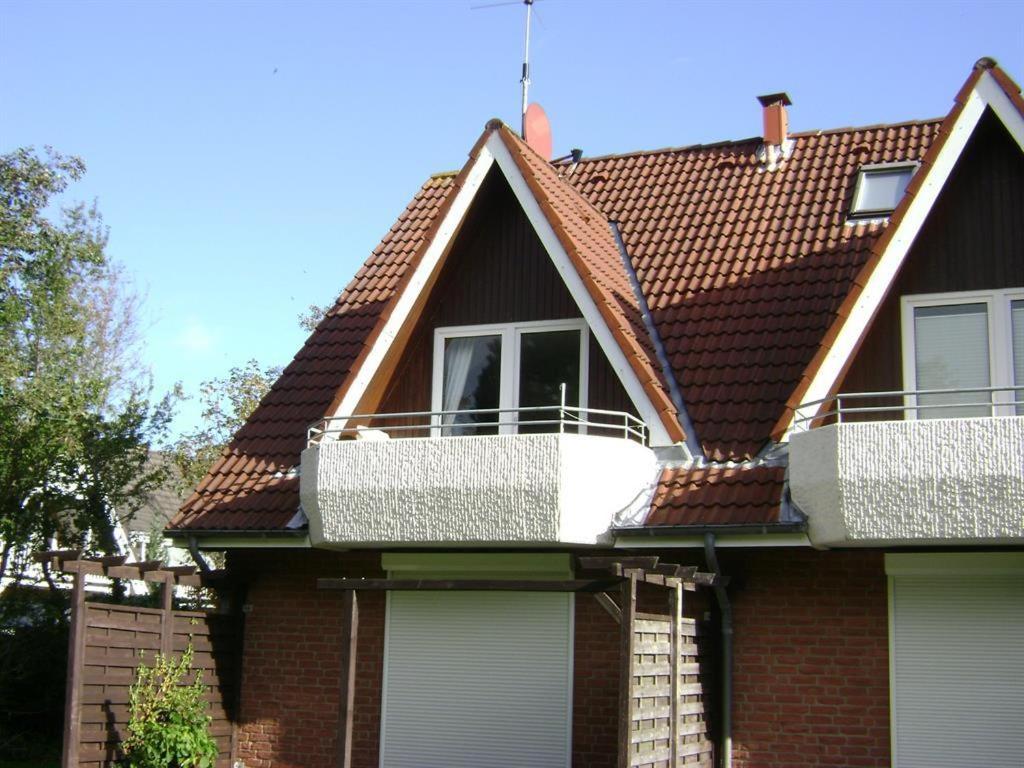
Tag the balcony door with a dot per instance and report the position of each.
(497, 379)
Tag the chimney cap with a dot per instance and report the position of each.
(774, 98)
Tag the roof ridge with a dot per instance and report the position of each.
(869, 127)
(751, 140)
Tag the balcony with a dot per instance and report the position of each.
(926, 467)
(529, 476)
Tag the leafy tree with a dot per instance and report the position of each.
(75, 412)
(311, 318)
(227, 403)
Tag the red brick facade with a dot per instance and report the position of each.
(811, 659)
(811, 662)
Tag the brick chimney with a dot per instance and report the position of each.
(777, 144)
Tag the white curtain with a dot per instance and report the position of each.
(462, 359)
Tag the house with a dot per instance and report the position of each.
(791, 363)
(138, 537)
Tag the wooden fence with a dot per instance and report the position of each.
(109, 641)
(118, 638)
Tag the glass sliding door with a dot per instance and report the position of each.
(547, 359)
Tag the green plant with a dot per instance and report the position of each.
(168, 724)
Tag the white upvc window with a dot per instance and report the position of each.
(965, 341)
(507, 366)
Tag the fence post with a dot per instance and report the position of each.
(167, 617)
(76, 664)
(626, 670)
(349, 635)
(676, 614)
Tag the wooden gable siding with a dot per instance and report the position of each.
(497, 272)
(973, 240)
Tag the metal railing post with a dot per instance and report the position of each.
(561, 410)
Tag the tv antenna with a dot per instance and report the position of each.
(524, 81)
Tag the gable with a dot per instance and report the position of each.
(972, 240)
(497, 272)
(583, 248)
(987, 90)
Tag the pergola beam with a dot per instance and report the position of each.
(470, 585)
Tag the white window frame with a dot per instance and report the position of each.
(1000, 340)
(858, 215)
(511, 333)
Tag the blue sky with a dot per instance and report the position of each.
(247, 156)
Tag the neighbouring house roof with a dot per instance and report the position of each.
(162, 504)
(748, 276)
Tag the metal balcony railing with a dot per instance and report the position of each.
(967, 403)
(481, 421)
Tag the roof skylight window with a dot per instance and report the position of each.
(880, 188)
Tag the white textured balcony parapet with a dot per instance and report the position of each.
(936, 481)
(502, 490)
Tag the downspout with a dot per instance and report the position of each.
(725, 608)
(193, 548)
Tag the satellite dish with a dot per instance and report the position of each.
(537, 130)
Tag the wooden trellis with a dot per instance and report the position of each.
(108, 641)
(663, 717)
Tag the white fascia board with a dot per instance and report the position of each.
(420, 277)
(882, 277)
(658, 435)
(996, 98)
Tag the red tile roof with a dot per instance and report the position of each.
(744, 269)
(744, 272)
(248, 487)
(717, 495)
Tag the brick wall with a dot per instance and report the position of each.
(811, 685)
(291, 665)
(595, 695)
(811, 659)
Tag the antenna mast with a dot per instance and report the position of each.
(526, 65)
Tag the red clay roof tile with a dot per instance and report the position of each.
(717, 495)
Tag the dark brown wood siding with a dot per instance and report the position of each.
(973, 240)
(497, 272)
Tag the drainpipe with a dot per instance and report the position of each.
(725, 608)
(193, 548)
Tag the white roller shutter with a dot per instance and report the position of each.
(477, 679)
(958, 671)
